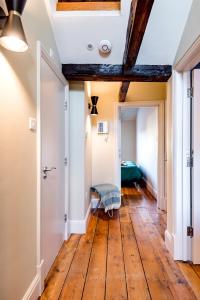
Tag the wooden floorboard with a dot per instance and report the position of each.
(74, 283)
(123, 258)
(192, 277)
(60, 269)
(96, 275)
(196, 268)
(137, 287)
(153, 268)
(115, 263)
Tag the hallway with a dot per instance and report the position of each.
(120, 258)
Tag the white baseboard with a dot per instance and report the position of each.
(169, 242)
(33, 291)
(80, 226)
(150, 188)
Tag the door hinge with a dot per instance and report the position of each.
(65, 218)
(190, 231)
(65, 161)
(65, 105)
(190, 92)
(189, 162)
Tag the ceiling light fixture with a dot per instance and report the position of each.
(94, 111)
(12, 36)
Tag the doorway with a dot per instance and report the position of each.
(53, 187)
(159, 105)
(184, 241)
(195, 164)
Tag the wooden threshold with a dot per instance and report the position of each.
(87, 6)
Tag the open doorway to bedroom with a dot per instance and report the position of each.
(139, 148)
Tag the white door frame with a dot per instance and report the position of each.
(182, 245)
(161, 200)
(196, 168)
(43, 54)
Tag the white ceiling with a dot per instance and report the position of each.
(164, 31)
(74, 30)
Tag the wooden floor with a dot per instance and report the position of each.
(122, 258)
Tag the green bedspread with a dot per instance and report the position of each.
(130, 172)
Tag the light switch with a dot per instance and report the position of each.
(32, 124)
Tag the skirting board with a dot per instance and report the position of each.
(80, 226)
(33, 291)
(150, 188)
(169, 242)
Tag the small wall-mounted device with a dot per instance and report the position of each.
(105, 46)
(32, 124)
(102, 127)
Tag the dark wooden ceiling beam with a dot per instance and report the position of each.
(102, 72)
(138, 19)
(123, 91)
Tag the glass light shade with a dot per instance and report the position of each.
(13, 37)
(94, 111)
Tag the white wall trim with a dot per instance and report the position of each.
(161, 199)
(67, 174)
(177, 193)
(190, 59)
(32, 292)
(186, 253)
(80, 226)
(150, 188)
(169, 241)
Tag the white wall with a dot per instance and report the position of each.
(128, 140)
(147, 144)
(80, 152)
(191, 31)
(18, 155)
(77, 151)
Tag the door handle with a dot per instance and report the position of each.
(46, 169)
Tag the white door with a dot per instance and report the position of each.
(196, 168)
(53, 206)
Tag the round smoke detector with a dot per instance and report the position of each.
(105, 46)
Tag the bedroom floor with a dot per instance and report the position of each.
(122, 258)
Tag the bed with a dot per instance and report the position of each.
(130, 172)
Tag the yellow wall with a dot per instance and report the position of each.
(18, 156)
(103, 160)
(146, 91)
